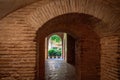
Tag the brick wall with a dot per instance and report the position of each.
(110, 58)
(90, 53)
(18, 31)
(17, 48)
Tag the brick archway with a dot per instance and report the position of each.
(87, 45)
(18, 30)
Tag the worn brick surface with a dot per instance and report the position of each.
(97, 19)
(110, 58)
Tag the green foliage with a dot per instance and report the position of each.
(59, 52)
(55, 38)
(50, 52)
(54, 52)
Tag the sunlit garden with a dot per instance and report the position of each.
(55, 47)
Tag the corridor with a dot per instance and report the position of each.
(58, 69)
(90, 39)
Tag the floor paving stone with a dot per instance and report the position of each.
(58, 69)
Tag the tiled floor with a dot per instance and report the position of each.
(57, 69)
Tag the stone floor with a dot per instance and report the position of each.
(58, 69)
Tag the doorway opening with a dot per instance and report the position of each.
(86, 49)
(60, 56)
(55, 46)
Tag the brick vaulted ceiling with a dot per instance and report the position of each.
(8, 6)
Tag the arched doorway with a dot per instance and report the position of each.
(54, 45)
(18, 30)
(62, 68)
(87, 46)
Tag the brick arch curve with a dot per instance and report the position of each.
(85, 38)
(73, 19)
(55, 8)
(18, 32)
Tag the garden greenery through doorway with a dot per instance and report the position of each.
(55, 47)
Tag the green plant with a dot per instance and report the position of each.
(54, 52)
(59, 52)
(55, 38)
(50, 52)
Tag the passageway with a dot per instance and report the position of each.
(59, 57)
(80, 54)
(94, 26)
(58, 69)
